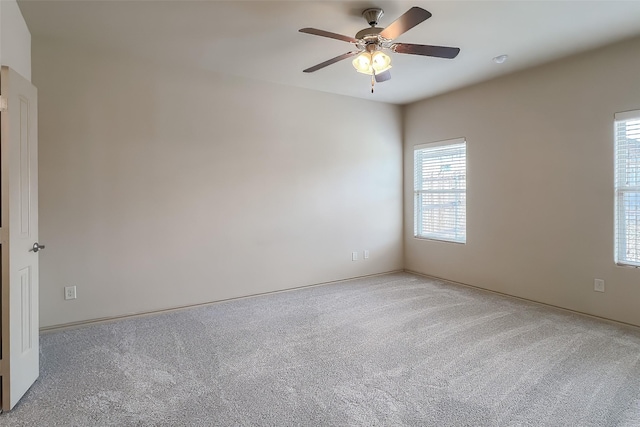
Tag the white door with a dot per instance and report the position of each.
(19, 224)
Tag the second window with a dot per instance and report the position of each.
(440, 191)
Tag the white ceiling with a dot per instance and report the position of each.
(260, 39)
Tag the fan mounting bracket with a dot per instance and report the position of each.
(372, 15)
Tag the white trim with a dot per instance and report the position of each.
(557, 307)
(101, 320)
(440, 143)
(627, 115)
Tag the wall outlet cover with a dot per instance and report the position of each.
(70, 292)
(598, 285)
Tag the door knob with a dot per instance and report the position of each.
(36, 247)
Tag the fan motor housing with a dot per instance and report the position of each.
(369, 34)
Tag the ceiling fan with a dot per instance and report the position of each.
(371, 43)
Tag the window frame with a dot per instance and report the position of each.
(435, 236)
(620, 191)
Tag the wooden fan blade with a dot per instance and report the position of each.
(383, 77)
(410, 19)
(330, 61)
(323, 33)
(426, 50)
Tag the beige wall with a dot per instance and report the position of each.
(540, 182)
(162, 187)
(15, 39)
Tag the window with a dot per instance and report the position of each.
(627, 187)
(440, 191)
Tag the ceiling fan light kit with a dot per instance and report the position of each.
(370, 44)
(372, 63)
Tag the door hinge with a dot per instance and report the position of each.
(3, 103)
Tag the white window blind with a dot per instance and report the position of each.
(627, 188)
(440, 191)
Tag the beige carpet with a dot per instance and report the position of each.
(390, 350)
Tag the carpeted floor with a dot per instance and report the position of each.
(393, 350)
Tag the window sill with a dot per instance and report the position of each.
(432, 239)
(619, 264)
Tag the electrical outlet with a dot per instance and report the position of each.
(365, 255)
(598, 285)
(70, 292)
(354, 256)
